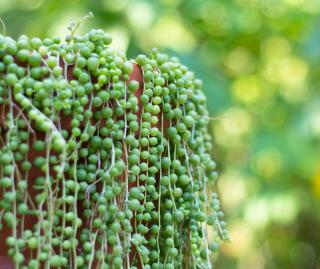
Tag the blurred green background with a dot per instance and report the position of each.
(259, 60)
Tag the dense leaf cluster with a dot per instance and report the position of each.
(110, 171)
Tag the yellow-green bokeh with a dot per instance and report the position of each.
(260, 63)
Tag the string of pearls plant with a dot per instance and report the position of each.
(124, 177)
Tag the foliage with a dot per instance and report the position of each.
(125, 176)
(259, 61)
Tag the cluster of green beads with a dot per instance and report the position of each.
(127, 182)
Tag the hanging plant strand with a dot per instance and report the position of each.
(101, 170)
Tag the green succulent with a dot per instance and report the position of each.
(124, 173)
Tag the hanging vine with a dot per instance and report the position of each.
(101, 169)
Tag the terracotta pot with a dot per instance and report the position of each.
(5, 262)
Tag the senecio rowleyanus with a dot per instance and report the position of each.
(104, 162)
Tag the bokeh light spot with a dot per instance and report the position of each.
(171, 32)
(140, 15)
(275, 47)
(239, 62)
(284, 208)
(111, 5)
(268, 163)
(247, 89)
(234, 184)
(256, 212)
(234, 124)
(120, 37)
(316, 183)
